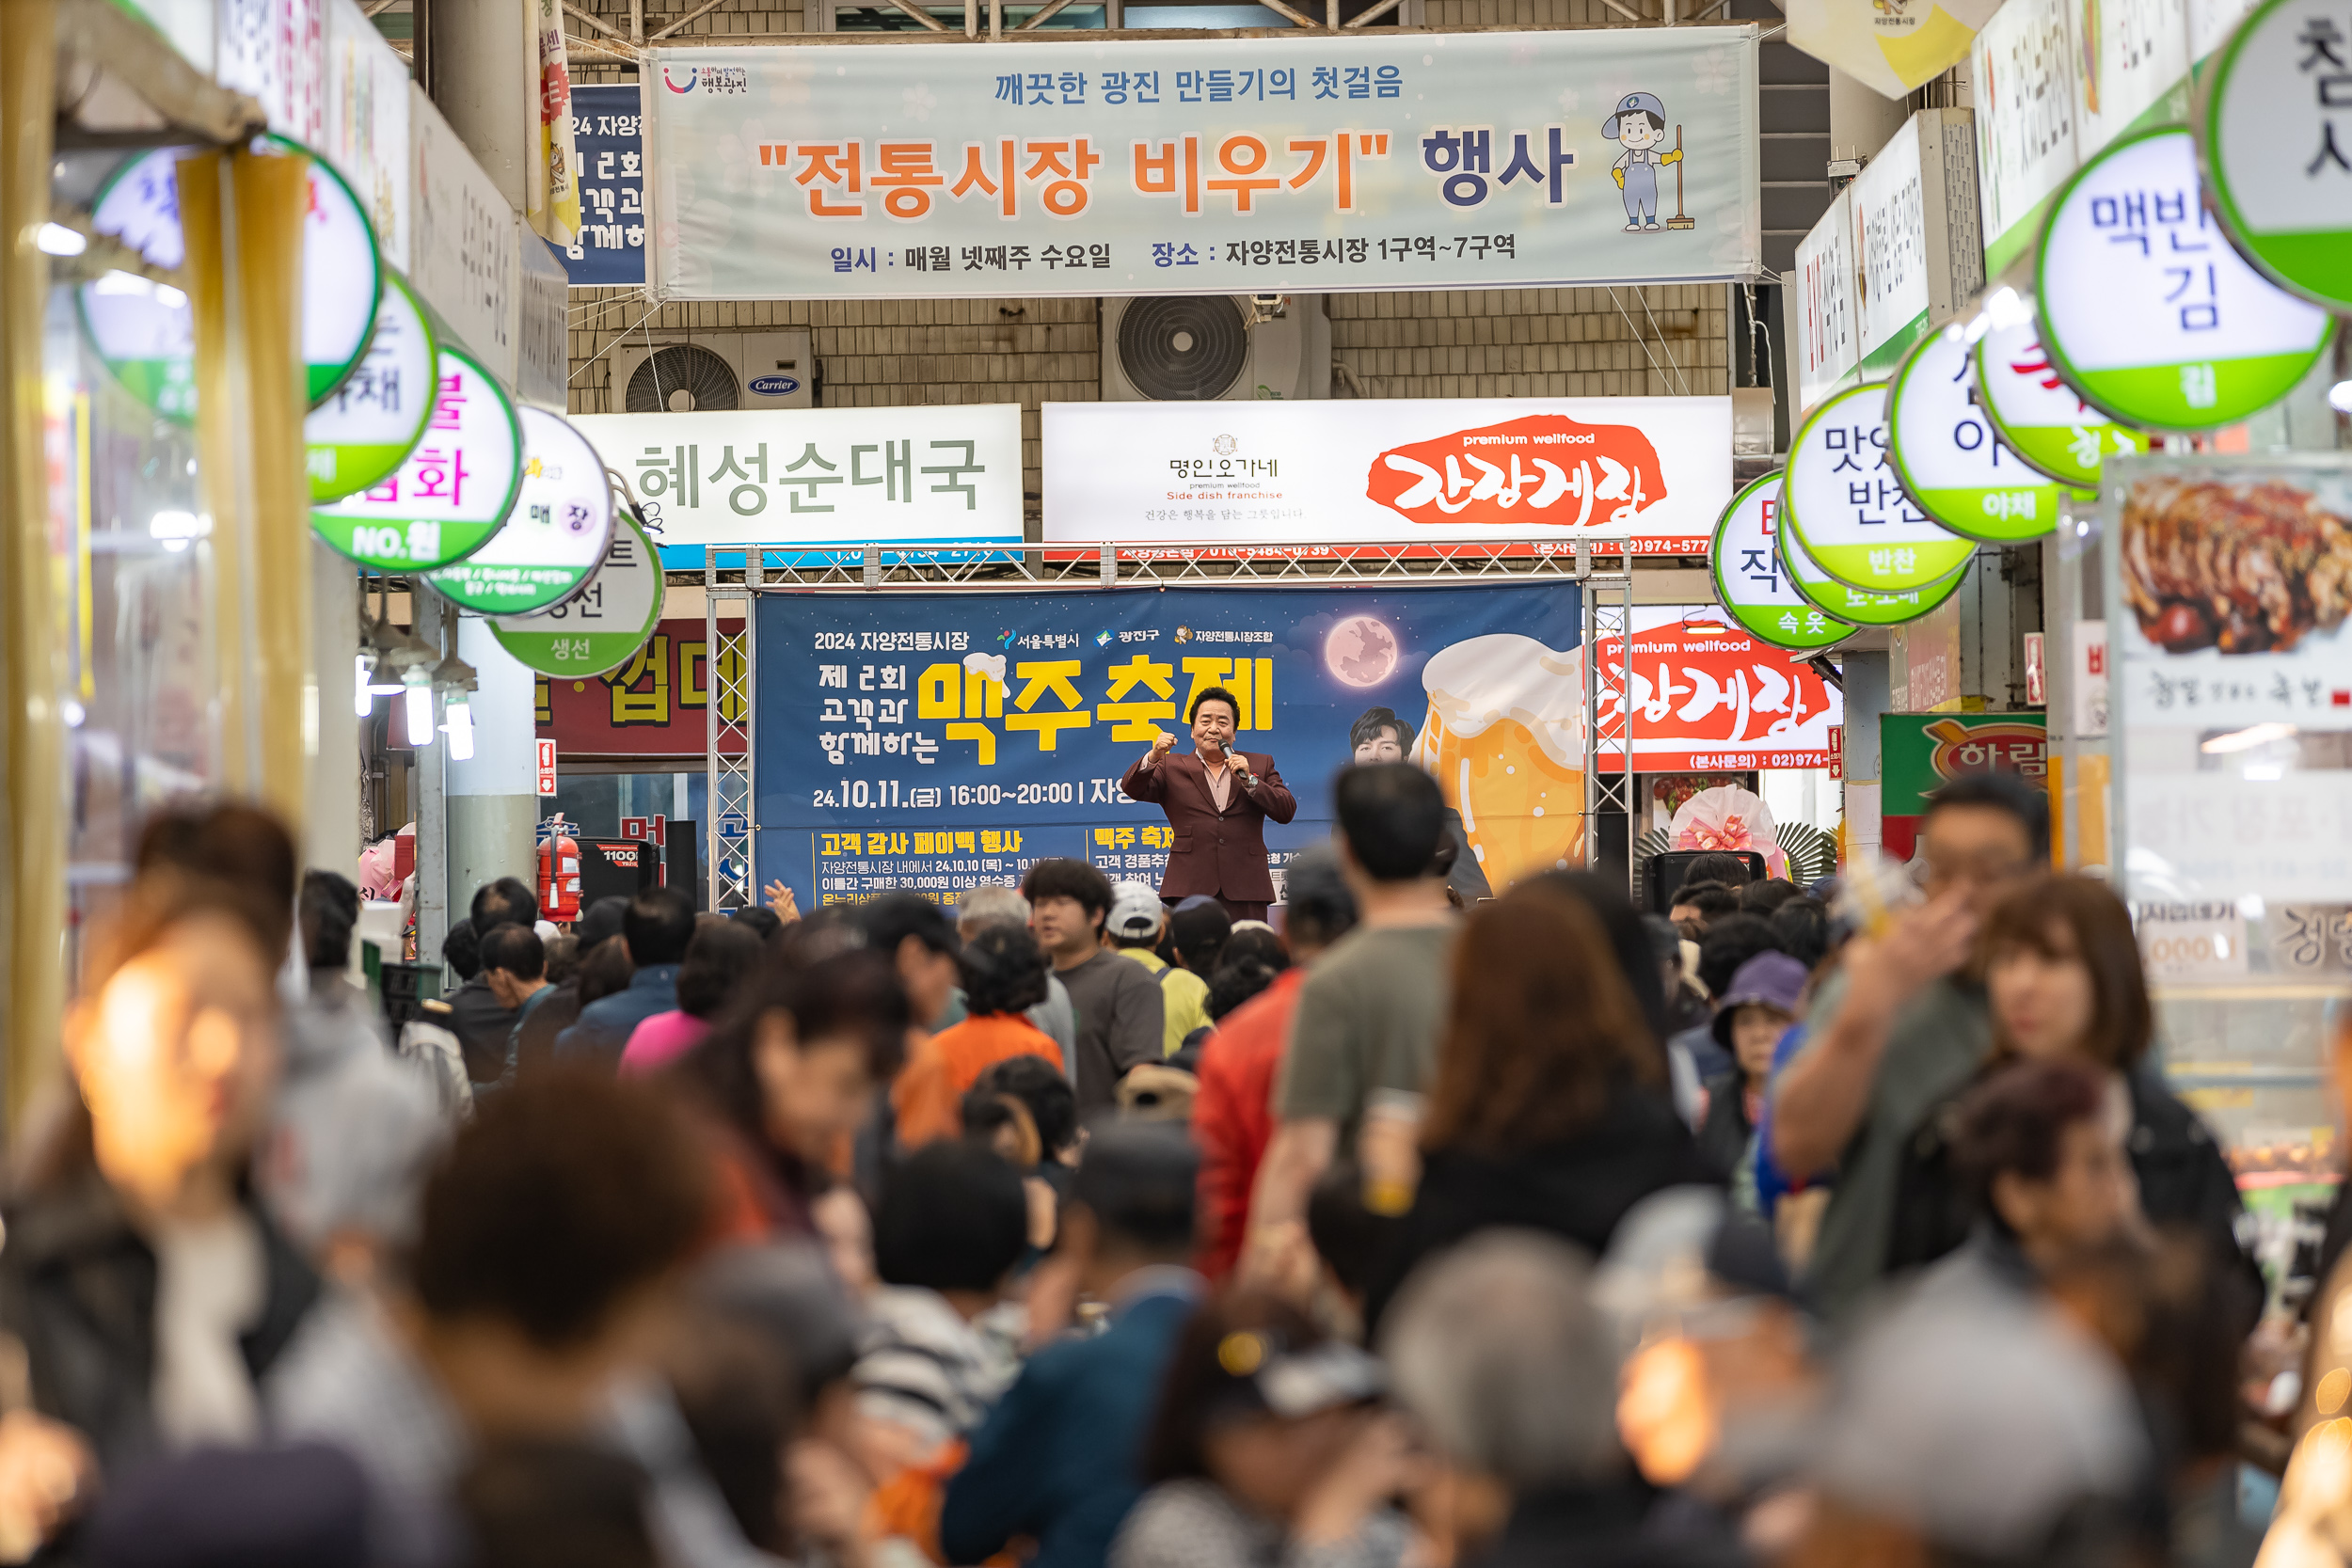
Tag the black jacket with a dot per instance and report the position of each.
(1601, 1527)
(1725, 1131)
(77, 1287)
(1576, 1187)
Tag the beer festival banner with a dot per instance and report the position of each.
(946, 741)
(1654, 473)
(1204, 165)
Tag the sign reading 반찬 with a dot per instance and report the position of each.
(1205, 166)
(1653, 473)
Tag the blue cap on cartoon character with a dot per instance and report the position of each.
(1632, 103)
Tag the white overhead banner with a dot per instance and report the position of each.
(1654, 471)
(1204, 165)
(819, 478)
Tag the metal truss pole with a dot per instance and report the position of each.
(731, 720)
(1608, 710)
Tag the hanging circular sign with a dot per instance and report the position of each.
(1852, 605)
(601, 629)
(554, 538)
(1957, 469)
(368, 426)
(2146, 310)
(2038, 414)
(1848, 509)
(1751, 583)
(146, 332)
(2279, 168)
(450, 494)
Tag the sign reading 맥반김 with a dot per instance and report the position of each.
(1209, 165)
(1652, 473)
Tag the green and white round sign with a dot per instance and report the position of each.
(1751, 583)
(2275, 157)
(2039, 414)
(601, 629)
(369, 425)
(146, 332)
(2146, 310)
(552, 540)
(451, 492)
(1947, 454)
(1832, 598)
(1848, 508)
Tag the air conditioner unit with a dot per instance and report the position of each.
(1207, 348)
(677, 373)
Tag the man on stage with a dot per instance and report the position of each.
(1217, 801)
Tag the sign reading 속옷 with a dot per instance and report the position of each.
(2146, 310)
(1826, 593)
(1848, 508)
(453, 490)
(1950, 457)
(2033, 409)
(554, 538)
(2273, 123)
(600, 629)
(367, 427)
(1751, 583)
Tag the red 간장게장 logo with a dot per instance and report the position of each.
(1543, 468)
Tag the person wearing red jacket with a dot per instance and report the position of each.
(1232, 1115)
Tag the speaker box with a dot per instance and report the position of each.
(1662, 877)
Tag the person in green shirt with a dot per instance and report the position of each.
(1133, 928)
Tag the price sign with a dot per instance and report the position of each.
(453, 490)
(2146, 310)
(1846, 504)
(554, 538)
(367, 427)
(145, 333)
(2274, 128)
(602, 629)
(1852, 605)
(2037, 414)
(1751, 583)
(1948, 456)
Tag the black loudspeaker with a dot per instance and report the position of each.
(1664, 874)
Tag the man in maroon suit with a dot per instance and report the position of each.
(1217, 801)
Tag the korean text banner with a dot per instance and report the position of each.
(658, 704)
(944, 741)
(1207, 165)
(610, 248)
(1654, 471)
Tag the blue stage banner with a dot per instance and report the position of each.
(609, 249)
(944, 741)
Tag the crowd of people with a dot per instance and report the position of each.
(1071, 1226)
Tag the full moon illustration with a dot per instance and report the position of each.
(1361, 651)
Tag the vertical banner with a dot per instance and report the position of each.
(551, 182)
(947, 741)
(1206, 166)
(608, 250)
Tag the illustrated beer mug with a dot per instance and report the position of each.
(1504, 741)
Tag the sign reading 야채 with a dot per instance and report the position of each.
(1654, 472)
(819, 478)
(554, 538)
(2146, 310)
(1848, 509)
(604, 626)
(454, 489)
(1826, 593)
(1751, 583)
(369, 425)
(2273, 124)
(2032, 409)
(1948, 456)
(1206, 166)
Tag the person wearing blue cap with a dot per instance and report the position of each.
(1640, 123)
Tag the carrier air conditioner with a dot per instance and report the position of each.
(1207, 348)
(679, 372)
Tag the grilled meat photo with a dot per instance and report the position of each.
(2247, 568)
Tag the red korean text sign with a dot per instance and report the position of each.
(658, 704)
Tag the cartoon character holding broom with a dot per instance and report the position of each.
(1640, 124)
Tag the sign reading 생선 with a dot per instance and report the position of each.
(1205, 166)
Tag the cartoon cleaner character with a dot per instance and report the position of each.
(1640, 123)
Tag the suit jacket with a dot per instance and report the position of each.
(1060, 1459)
(1219, 853)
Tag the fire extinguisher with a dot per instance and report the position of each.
(559, 872)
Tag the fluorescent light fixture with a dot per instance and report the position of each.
(2264, 773)
(120, 283)
(170, 297)
(2340, 397)
(419, 713)
(55, 239)
(362, 695)
(2247, 740)
(459, 728)
(173, 529)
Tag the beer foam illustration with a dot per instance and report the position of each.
(991, 665)
(1475, 684)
